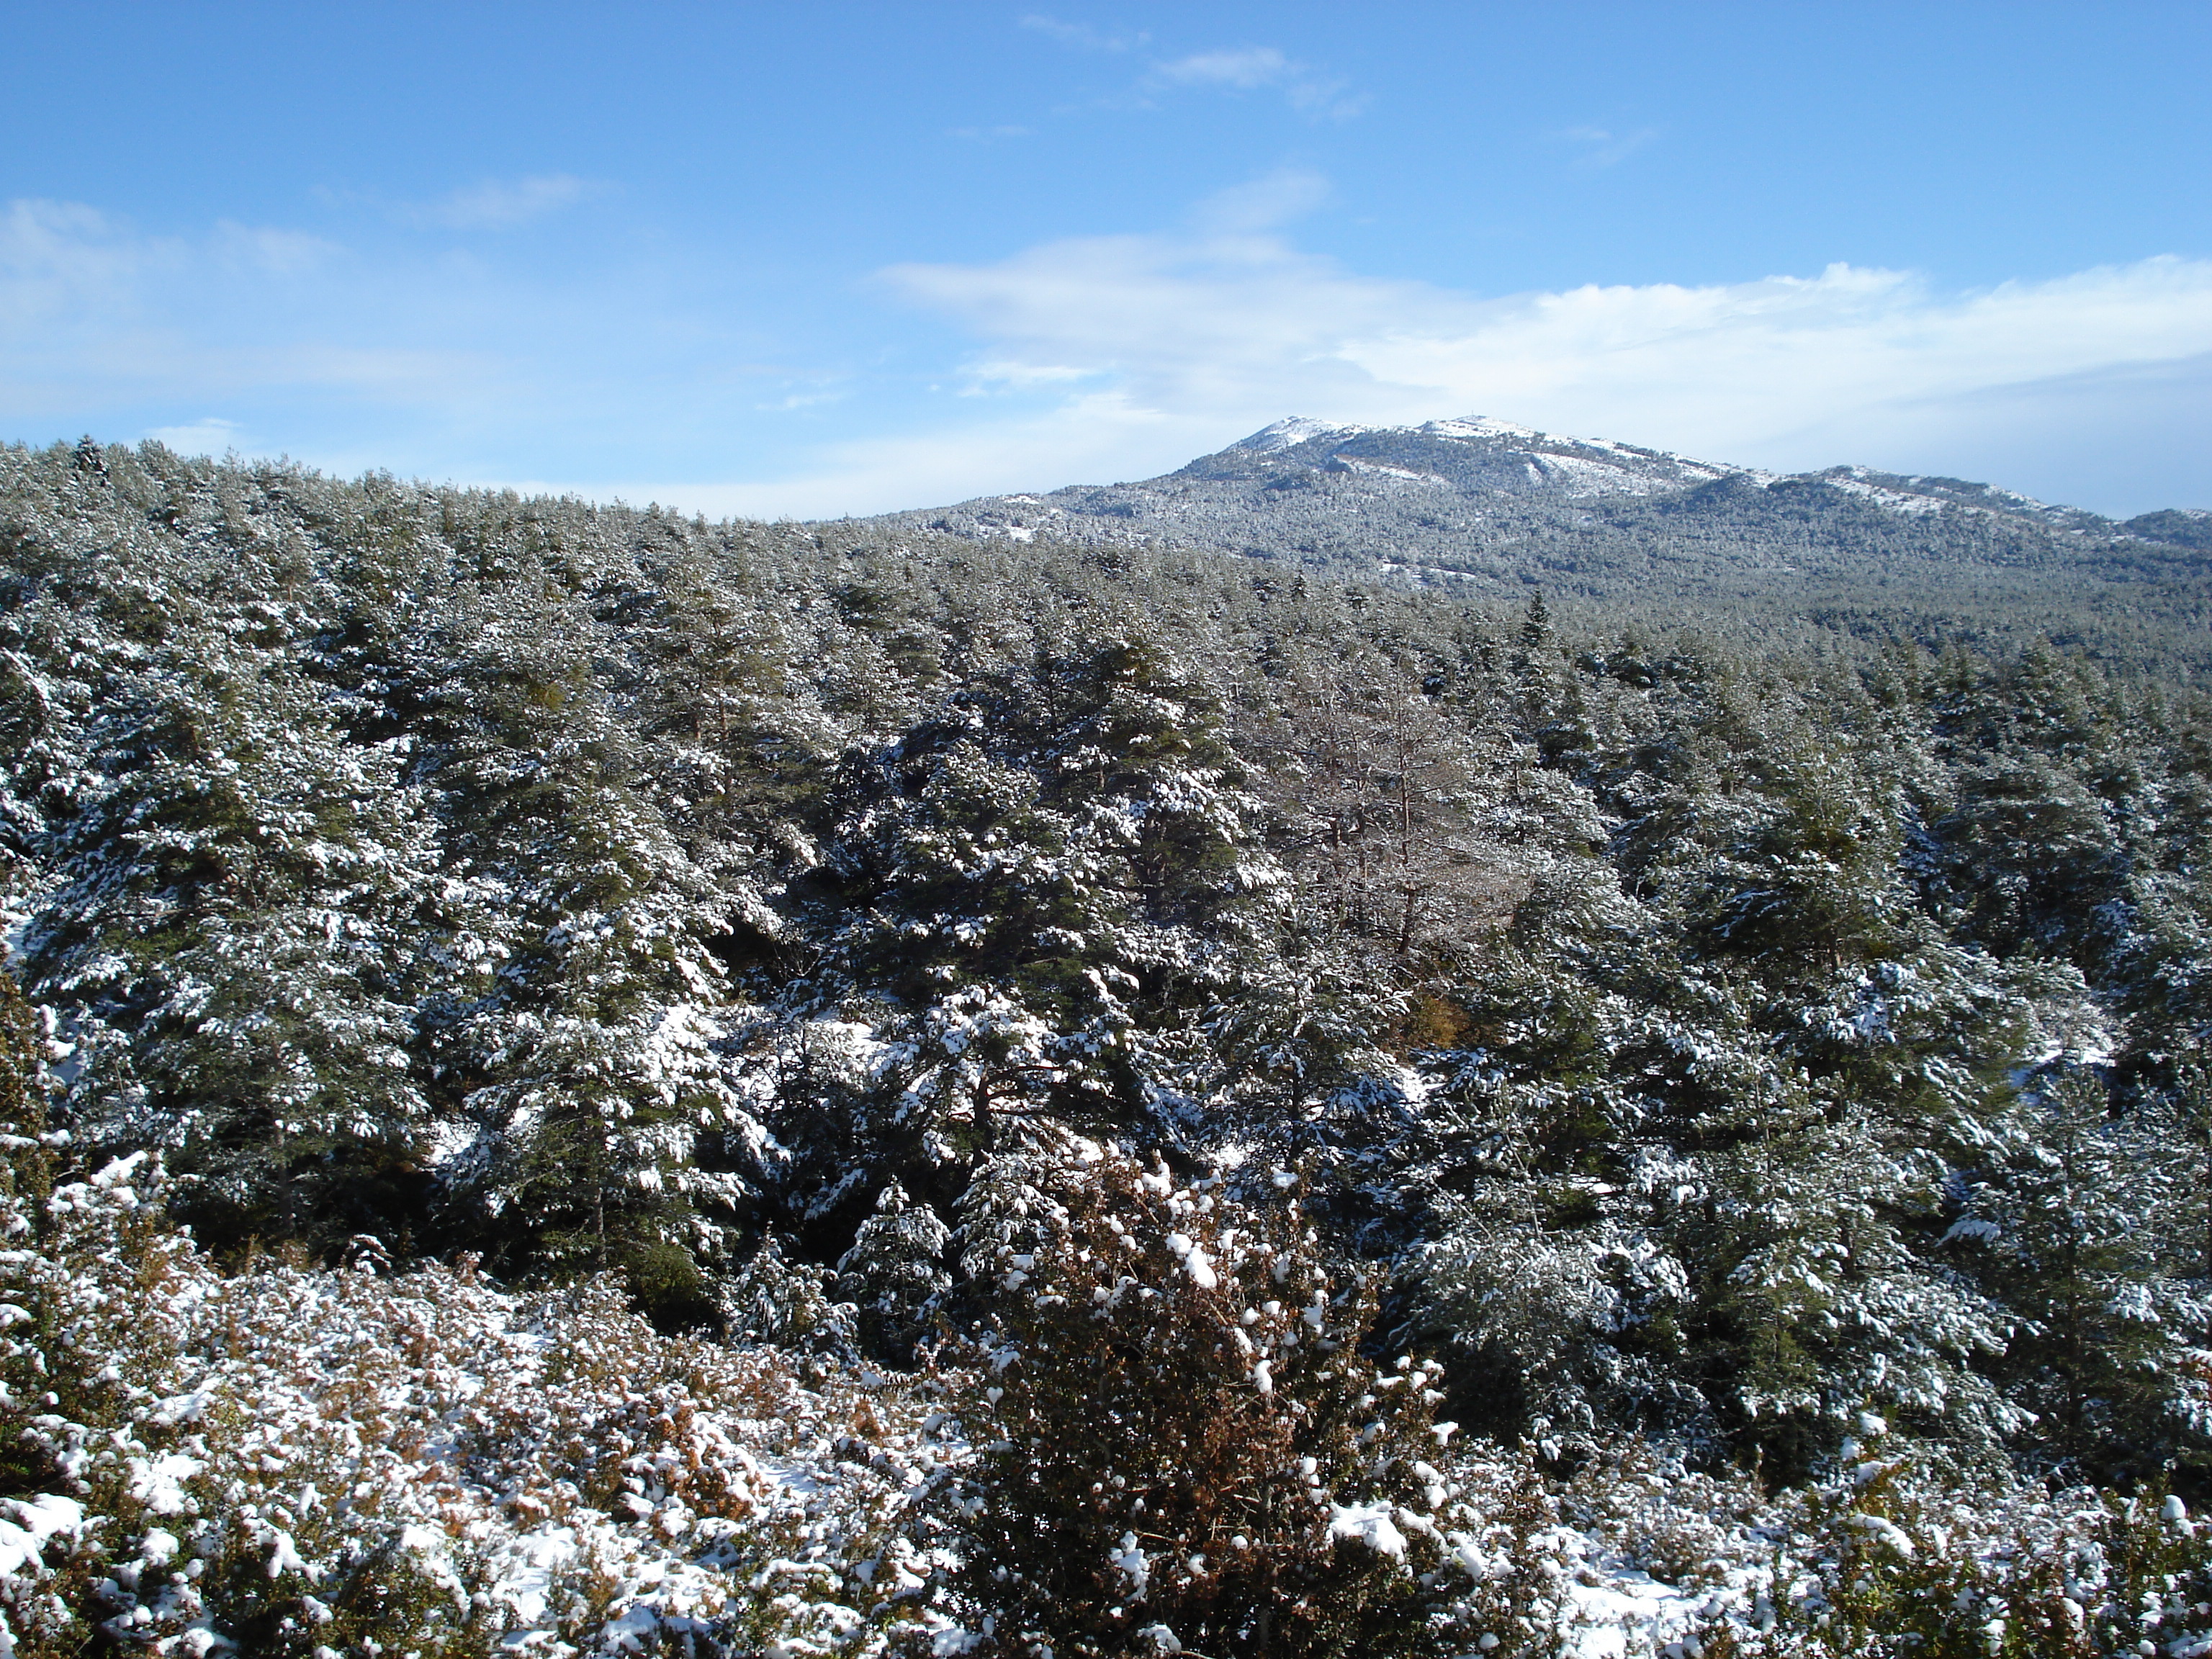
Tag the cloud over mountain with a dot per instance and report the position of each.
(1233, 323)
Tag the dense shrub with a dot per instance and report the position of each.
(287, 1460)
(1181, 1442)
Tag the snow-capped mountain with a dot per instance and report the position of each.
(1474, 455)
(1486, 501)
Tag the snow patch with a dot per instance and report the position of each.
(31, 1522)
(1370, 1524)
(1290, 432)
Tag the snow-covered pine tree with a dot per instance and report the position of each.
(584, 1026)
(2069, 1220)
(897, 1273)
(232, 940)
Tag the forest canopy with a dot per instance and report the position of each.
(1711, 1044)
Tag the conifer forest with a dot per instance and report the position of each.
(579, 1081)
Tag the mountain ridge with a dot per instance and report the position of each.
(1599, 456)
(1483, 453)
(1491, 509)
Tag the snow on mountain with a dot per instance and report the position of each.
(1288, 433)
(1480, 502)
(1474, 453)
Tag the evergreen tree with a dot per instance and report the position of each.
(2070, 1209)
(896, 1274)
(233, 944)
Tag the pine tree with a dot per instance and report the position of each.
(581, 1034)
(2069, 1212)
(896, 1274)
(231, 946)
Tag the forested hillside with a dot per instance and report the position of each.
(1685, 1054)
(1486, 512)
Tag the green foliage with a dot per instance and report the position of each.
(1658, 1013)
(1900, 1567)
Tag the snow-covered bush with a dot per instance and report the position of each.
(1181, 1445)
(294, 1461)
(1895, 1553)
(1638, 1504)
(1889, 1558)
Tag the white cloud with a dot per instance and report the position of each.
(279, 252)
(99, 319)
(209, 435)
(1087, 437)
(1003, 372)
(1083, 37)
(1602, 148)
(1245, 69)
(1224, 318)
(1263, 203)
(501, 205)
(1741, 367)
(804, 400)
(58, 259)
(1232, 325)
(1248, 68)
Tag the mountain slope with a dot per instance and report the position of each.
(1490, 509)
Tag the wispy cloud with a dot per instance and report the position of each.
(1228, 327)
(814, 399)
(1266, 203)
(502, 204)
(1088, 358)
(1601, 147)
(209, 435)
(1088, 437)
(388, 355)
(1010, 374)
(275, 252)
(1250, 69)
(1083, 37)
(1244, 69)
(99, 321)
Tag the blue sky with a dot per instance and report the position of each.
(844, 258)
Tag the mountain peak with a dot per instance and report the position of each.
(1295, 429)
(1490, 504)
(1291, 431)
(1471, 455)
